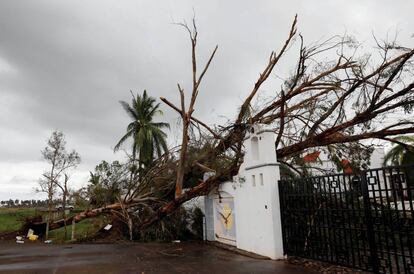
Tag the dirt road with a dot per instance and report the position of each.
(132, 258)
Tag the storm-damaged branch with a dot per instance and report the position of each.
(186, 114)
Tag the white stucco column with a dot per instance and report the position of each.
(257, 199)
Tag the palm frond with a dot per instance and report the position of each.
(400, 153)
(405, 138)
(161, 125)
(123, 139)
(129, 110)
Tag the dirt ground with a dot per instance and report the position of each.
(133, 258)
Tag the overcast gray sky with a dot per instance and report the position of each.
(66, 64)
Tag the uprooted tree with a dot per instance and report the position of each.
(334, 99)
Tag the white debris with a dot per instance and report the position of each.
(48, 241)
(30, 232)
(19, 242)
(176, 241)
(19, 238)
(108, 227)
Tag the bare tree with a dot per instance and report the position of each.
(186, 114)
(61, 161)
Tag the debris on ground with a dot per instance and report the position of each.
(114, 234)
(19, 238)
(322, 267)
(108, 227)
(176, 241)
(237, 251)
(178, 252)
(48, 241)
(30, 232)
(19, 242)
(33, 237)
(10, 236)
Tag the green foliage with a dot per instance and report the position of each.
(287, 172)
(80, 198)
(148, 137)
(401, 154)
(106, 183)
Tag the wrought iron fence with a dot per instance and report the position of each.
(362, 220)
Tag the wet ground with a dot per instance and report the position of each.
(133, 258)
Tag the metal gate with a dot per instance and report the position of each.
(362, 220)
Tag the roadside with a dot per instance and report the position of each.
(109, 253)
(134, 258)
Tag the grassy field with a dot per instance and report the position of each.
(12, 219)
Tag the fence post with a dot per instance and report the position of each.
(282, 214)
(73, 230)
(370, 224)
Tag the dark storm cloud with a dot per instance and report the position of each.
(65, 64)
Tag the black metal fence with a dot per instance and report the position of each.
(360, 220)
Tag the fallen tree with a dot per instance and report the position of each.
(331, 105)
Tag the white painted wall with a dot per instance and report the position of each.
(377, 158)
(256, 199)
(324, 163)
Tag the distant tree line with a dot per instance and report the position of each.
(23, 203)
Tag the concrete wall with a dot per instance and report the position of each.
(256, 199)
(377, 158)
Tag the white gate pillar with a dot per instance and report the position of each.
(259, 227)
(256, 199)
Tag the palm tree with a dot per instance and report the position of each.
(148, 137)
(402, 153)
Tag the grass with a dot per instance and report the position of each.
(12, 219)
(83, 229)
